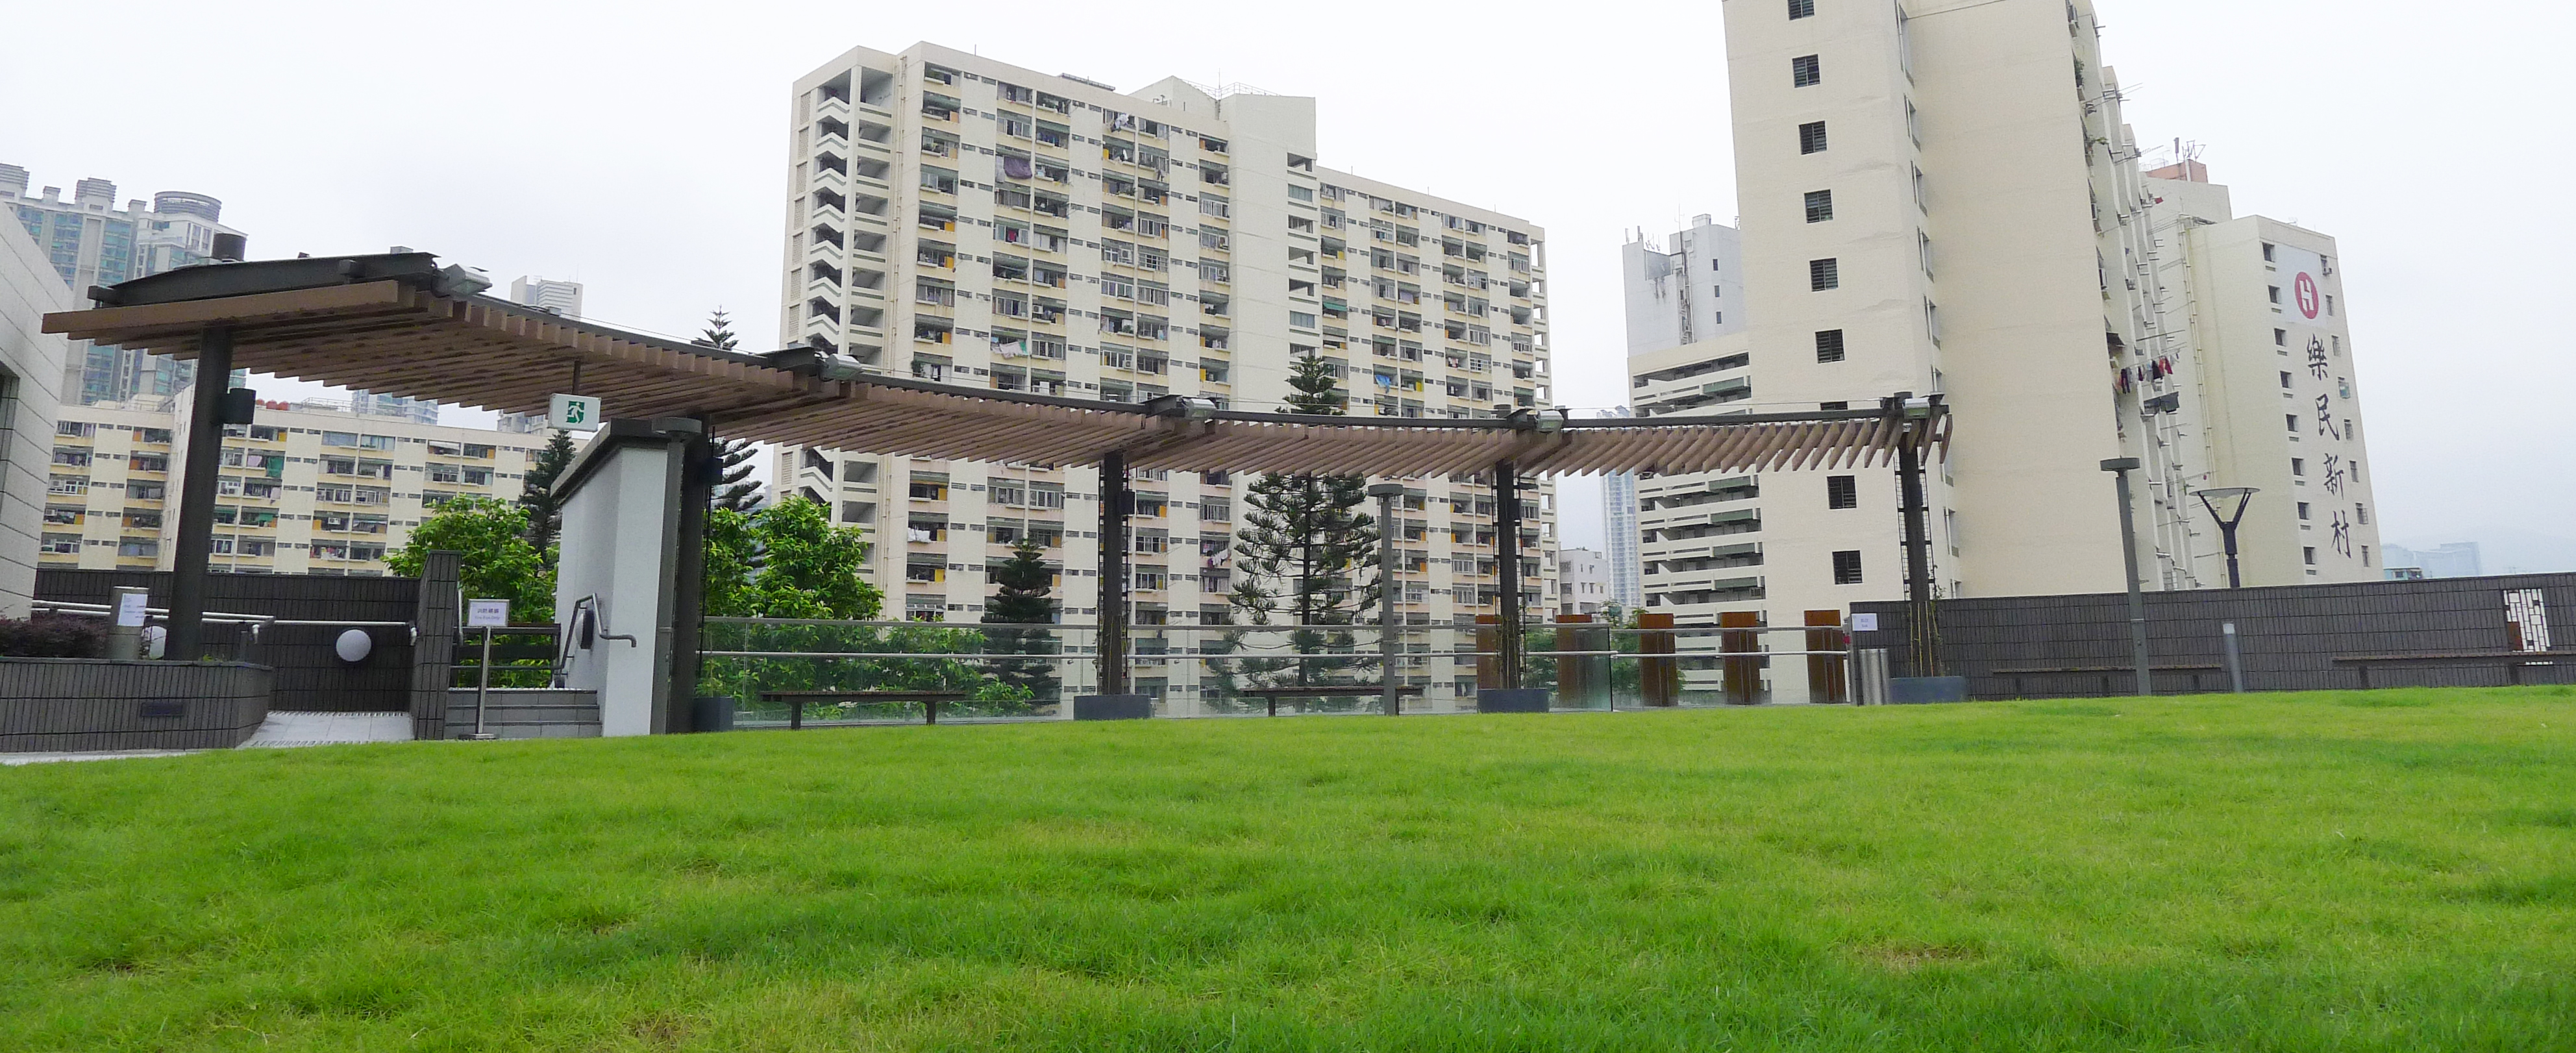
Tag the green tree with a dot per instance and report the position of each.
(1025, 581)
(788, 561)
(733, 487)
(538, 498)
(1306, 539)
(497, 561)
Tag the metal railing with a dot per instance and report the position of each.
(1033, 671)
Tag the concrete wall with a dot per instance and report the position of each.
(310, 676)
(31, 364)
(50, 704)
(2291, 637)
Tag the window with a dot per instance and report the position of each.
(2267, 252)
(2303, 511)
(1824, 274)
(1829, 346)
(2280, 338)
(1847, 568)
(2285, 379)
(1842, 491)
(1802, 9)
(2361, 513)
(2274, 292)
(347, 438)
(2309, 554)
(1811, 140)
(2298, 465)
(2293, 420)
(1806, 71)
(1820, 205)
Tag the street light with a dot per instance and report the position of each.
(2226, 504)
(2120, 467)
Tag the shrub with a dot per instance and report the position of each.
(52, 636)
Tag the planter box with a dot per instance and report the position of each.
(1926, 690)
(1515, 700)
(84, 704)
(1113, 707)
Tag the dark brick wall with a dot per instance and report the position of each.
(64, 704)
(310, 675)
(2290, 637)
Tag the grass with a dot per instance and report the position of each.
(2390, 871)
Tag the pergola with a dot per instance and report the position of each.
(398, 324)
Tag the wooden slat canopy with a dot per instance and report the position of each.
(408, 338)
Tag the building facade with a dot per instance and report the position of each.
(89, 241)
(1582, 581)
(960, 219)
(31, 361)
(1924, 188)
(310, 488)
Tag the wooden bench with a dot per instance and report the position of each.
(1272, 695)
(2107, 673)
(2511, 661)
(796, 699)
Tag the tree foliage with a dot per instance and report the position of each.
(497, 562)
(1307, 543)
(733, 486)
(537, 495)
(1023, 597)
(788, 561)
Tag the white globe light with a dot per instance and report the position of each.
(354, 645)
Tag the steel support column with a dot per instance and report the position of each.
(1390, 633)
(1116, 503)
(1507, 560)
(1922, 615)
(195, 545)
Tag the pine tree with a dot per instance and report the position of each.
(734, 489)
(1307, 539)
(537, 495)
(1025, 581)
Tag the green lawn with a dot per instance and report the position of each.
(2386, 871)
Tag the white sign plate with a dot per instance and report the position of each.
(1864, 623)
(130, 610)
(574, 412)
(487, 614)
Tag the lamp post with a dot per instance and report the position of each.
(2120, 467)
(2226, 504)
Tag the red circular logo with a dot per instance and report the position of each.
(2307, 289)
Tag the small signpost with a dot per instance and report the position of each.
(125, 633)
(487, 615)
(574, 412)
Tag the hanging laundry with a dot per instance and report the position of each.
(1017, 167)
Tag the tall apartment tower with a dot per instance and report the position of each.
(1924, 188)
(960, 219)
(90, 242)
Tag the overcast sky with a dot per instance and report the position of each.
(641, 150)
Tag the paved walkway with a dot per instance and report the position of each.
(284, 729)
(281, 730)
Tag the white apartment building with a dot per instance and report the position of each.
(1582, 581)
(561, 297)
(2249, 326)
(969, 221)
(1924, 188)
(311, 488)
